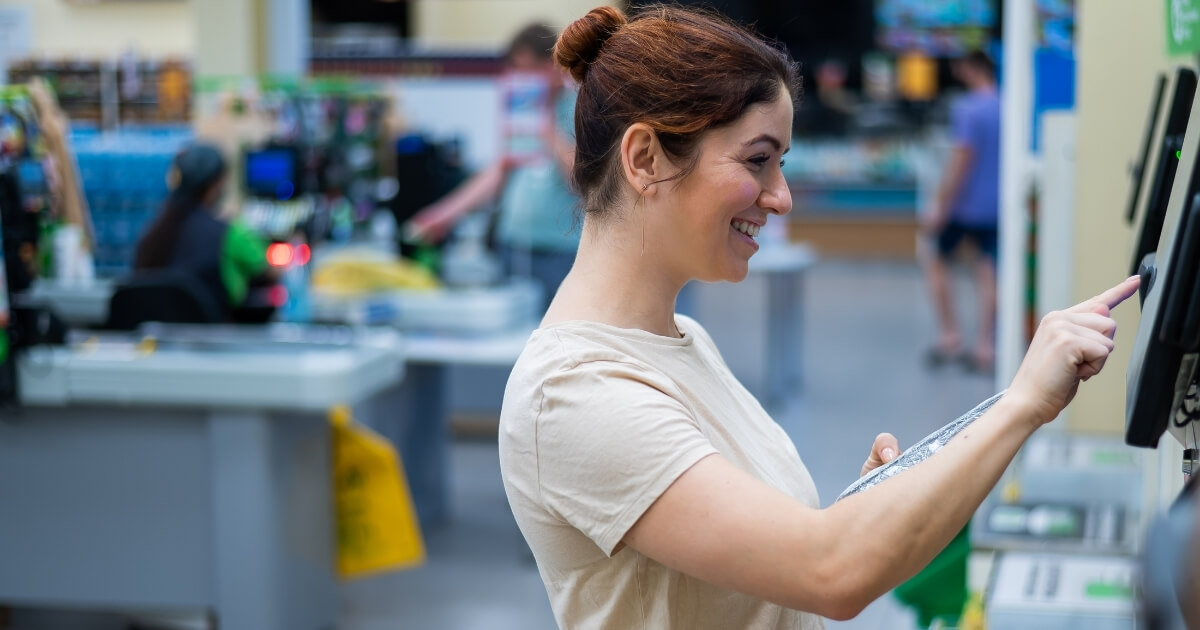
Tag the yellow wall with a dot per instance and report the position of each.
(1121, 47)
(152, 28)
(229, 41)
(478, 24)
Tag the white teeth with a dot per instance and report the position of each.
(747, 228)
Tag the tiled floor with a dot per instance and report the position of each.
(868, 324)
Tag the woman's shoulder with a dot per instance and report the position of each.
(585, 352)
(571, 346)
(568, 370)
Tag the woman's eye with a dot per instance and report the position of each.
(782, 162)
(759, 160)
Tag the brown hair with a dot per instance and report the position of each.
(680, 71)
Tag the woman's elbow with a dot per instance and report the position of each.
(841, 592)
(839, 603)
(845, 608)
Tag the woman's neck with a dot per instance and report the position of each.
(615, 282)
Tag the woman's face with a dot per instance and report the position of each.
(525, 61)
(709, 226)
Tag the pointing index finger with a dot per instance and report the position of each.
(1112, 297)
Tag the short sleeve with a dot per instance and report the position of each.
(243, 256)
(245, 249)
(610, 441)
(963, 125)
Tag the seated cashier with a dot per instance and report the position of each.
(189, 234)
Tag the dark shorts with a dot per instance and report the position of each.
(984, 238)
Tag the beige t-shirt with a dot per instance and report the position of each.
(597, 423)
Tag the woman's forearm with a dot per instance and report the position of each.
(889, 532)
(480, 189)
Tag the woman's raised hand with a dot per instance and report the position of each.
(1069, 346)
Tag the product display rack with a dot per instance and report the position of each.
(113, 92)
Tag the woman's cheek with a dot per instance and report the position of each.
(744, 193)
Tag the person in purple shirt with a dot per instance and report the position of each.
(966, 209)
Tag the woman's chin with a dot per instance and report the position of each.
(737, 271)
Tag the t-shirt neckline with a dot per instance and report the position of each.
(634, 334)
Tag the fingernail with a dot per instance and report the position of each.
(888, 454)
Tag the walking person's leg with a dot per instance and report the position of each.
(937, 275)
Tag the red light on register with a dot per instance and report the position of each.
(303, 254)
(279, 254)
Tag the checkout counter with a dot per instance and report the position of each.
(444, 330)
(184, 468)
(77, 304)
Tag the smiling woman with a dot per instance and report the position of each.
(653, 489)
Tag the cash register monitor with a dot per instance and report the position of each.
(1160, 159)
(1168, 335)
(272, 173)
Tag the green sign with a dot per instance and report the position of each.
(1183, 26)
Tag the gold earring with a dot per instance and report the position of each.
(642, 198)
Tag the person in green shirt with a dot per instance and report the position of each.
(188, 235)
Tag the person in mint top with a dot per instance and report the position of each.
(536, 229)
(188, 234)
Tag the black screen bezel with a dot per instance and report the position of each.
(1165, 166)
(1149, 135)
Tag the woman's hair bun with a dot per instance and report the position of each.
(580, 42)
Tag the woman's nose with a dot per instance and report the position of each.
(776, 197)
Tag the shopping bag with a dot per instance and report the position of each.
(377, 526)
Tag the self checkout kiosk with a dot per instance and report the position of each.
(1161, 386)
(1161, 379)
(1071, 551)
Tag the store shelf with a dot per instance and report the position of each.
(91, 91)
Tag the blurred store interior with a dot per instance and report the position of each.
(323, 454)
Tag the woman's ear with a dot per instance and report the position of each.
(643, 161)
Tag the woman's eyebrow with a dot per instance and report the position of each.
(768, 138)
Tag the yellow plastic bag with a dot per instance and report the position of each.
(377, 527)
